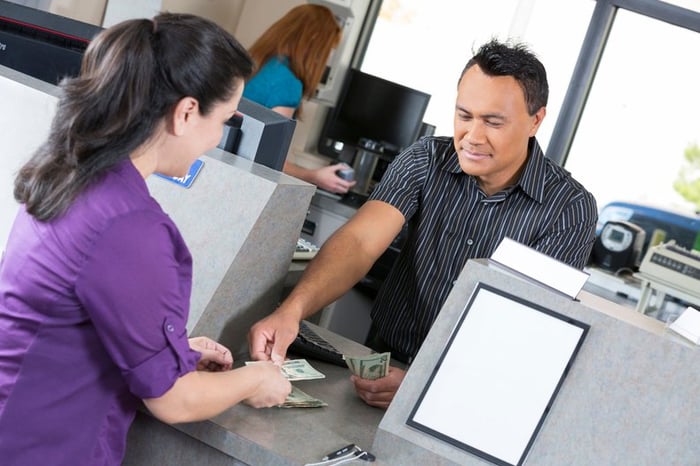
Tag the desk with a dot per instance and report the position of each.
(651, 286)
(274, 436)
(635, 291)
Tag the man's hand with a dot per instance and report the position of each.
(379, 392)
(269, 339)
(215, 357)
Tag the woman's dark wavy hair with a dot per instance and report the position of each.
(505, 59)
(131, 76)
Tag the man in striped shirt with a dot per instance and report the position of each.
(460, 196)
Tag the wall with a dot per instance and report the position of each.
(88, 12)
(27, 110)
(259, 15)
(226, 13)
(107, 12)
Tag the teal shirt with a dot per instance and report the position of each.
(275, 85)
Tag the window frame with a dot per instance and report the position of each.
(590, 56)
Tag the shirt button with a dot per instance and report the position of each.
(170, 328)
(470, 242)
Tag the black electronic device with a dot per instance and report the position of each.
(312, 346)
(347, 173)
(373, 108)
(682, 227)
(232, 133)
(259, 134)
(353, 199)
(619, 246)
(40, 44)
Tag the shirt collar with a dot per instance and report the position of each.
(532, 178)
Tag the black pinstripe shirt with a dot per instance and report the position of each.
(450, 220)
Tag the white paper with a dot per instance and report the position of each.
(498, 376)
(688, 325)
(540, 267)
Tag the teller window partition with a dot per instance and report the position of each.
(498, 376)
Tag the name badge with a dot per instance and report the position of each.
(187, 180)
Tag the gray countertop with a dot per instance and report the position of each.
(299, 435)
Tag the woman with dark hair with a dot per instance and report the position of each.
(96, 279)
(290, 58)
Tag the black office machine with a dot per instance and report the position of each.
(619, 246)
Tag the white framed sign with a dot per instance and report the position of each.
(498, 376)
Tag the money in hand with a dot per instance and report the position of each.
(373, 366)
(299, 399)
(297, 369)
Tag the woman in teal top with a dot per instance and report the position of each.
(275, 86)
(290, 58)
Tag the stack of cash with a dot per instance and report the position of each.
(295, 370)
(373, 366)
(300, 399)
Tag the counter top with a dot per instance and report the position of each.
(282, 436)
(624, 382)
(629, 396)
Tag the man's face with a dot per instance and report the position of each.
(492, 128)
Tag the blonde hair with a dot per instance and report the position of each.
(306, 35)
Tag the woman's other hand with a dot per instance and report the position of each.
(215, 356)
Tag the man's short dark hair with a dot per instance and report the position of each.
(510, 59)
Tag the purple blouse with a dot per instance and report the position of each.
(93, 309)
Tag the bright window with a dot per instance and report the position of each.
(641, 114)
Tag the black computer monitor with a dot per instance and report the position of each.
(41, 44)
(373, 108)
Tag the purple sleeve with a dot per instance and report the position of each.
(135, 286)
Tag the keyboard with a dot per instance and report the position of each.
(305, 250)
(311, 345)
(354, 200)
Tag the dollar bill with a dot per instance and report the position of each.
(300, 369)
(373, 366)
(300, 399)
(296, 369)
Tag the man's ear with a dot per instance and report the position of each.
(537, 120)
(183, 113)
